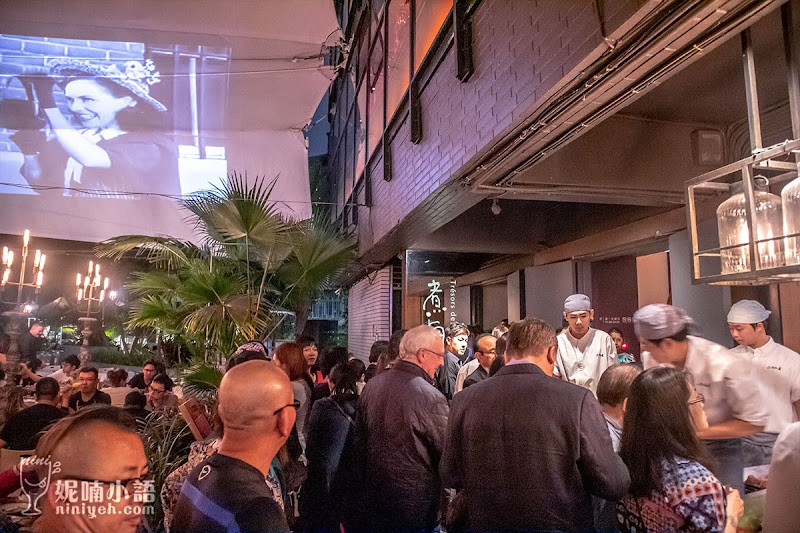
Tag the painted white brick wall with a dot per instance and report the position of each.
(369, 312)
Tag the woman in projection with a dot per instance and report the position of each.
(110, 143)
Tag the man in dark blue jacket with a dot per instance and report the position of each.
(527, 450)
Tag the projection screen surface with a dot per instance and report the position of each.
(100, 138)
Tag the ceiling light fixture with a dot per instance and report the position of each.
(496, 209)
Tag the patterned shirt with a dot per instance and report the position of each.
(692, 500)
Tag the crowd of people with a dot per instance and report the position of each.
(521, 429)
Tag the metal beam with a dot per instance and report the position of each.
(790, 13)
(753, 115)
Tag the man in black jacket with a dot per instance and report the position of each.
(555, 450)
(401, 424)
(457, 338)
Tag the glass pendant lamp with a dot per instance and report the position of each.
(768, 224)
(791, 219)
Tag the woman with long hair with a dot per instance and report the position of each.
(672, 489)
(289, 358)
(331, 422)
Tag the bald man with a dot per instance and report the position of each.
(485, 352)
(228, 491)
(97, 463)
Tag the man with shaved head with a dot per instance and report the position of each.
(97, 468)
(485, 352)
(228, 491)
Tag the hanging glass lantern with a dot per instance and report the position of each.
(791, 219)
(767, 222)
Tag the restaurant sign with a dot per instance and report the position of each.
(437, 309)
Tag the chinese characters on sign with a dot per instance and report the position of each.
(435, 310)
(615, 319)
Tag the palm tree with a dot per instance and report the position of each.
(253, 262)
(319, 254)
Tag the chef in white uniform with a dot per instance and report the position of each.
(584, 353)
(778, 371)
(733, 401)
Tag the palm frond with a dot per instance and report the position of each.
(162, 252)
(156, 312)
(233, 320)
(238, 213)
(319, 253)
(154, 283)
(201, 377)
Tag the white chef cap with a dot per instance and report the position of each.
(577, 302)
(747, 312)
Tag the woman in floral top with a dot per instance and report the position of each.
(671, 490)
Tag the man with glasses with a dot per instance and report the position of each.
(160, 396)
(229, 491)
(733, 402)
(87, 393)
(100, 484)
(401, 426)
(485, 353)
(143, 379)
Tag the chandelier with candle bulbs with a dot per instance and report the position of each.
(90, 288)
(25, 280)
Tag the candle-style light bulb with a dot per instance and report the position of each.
(10, 258)
(37, 258)
(80, 293)
(86, 281)
(102, 295)
(96, 281)
(5, 254)
(105, 284)
(97, 269)
(6, 275)
(78, 281)
(26, 237)
(41, 262)
(91, 267)
(39, 279)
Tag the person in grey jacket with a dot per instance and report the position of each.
(528, 451)
(401, 426)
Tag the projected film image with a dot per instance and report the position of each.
(110, 119)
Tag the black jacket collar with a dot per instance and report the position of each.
(521, 368)
(411, 368)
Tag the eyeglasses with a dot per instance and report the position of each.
(700, 399)
(295, 404)
(434, 353)
(157, 390)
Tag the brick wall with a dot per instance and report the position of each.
(32, 55)
(522, 50)
(369, 312)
